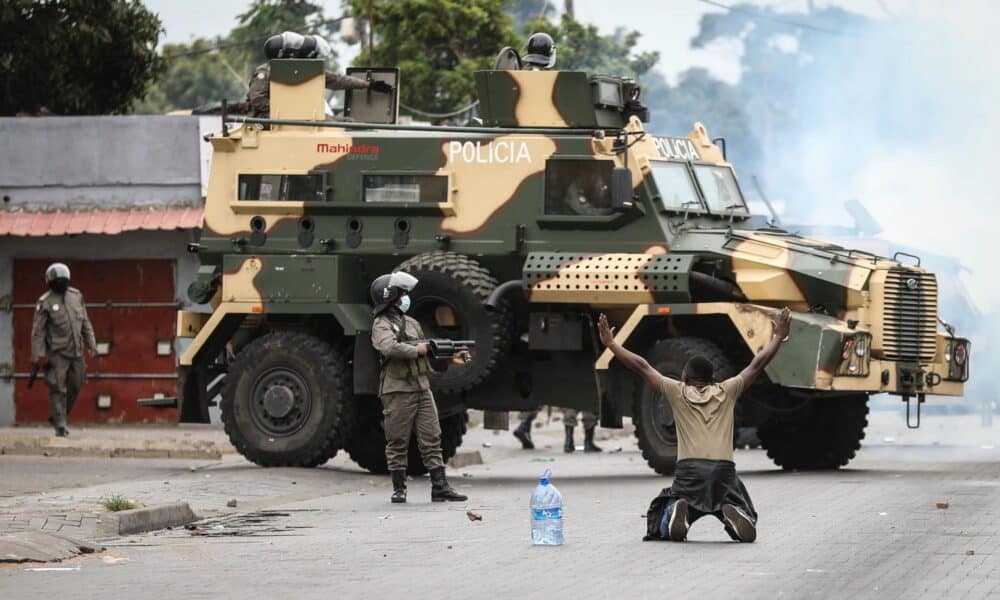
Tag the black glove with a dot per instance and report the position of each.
(380, 87)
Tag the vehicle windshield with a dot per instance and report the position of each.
(720, 189)
(675, 185)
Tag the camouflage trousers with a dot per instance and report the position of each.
(65, 377)
(570, 414)
(406, 412)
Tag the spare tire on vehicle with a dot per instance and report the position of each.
(448, 303)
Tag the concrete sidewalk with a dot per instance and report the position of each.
(200, 442)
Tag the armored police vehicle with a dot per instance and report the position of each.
(521, 230)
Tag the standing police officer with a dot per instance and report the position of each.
(405, 391)
(58, 335)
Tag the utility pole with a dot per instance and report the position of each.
(568, 8)
(371, 35)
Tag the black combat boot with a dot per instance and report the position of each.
(398, 486)
(588, 441)
(568, 446)
(441, 491)
(523, 433)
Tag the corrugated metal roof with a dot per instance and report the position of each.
(102, 222)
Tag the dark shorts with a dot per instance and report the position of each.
(706, 485)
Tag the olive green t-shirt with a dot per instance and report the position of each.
(704, 417)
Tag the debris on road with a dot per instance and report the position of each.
(231, 503)
(114, 560)
(942, 505)
(474, 516)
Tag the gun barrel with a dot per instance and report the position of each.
(34, 374)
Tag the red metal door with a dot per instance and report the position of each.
(132, 306)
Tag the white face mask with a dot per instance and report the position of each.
(404, 303)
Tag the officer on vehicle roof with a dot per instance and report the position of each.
(405, 391)
(58, 335)
(293, 45)
(541, 52)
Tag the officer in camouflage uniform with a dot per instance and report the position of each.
(293, 45)
(405, 391)
(58, 335)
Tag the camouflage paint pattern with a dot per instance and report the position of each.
(317, 255)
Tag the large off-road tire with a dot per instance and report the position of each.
(454, 281)
(651, 413)
(825, 434)
(366, 445)
(284, 402)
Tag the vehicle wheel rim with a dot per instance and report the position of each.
(281, 402)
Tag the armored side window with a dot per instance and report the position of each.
(406, 188)
(294, 188)
(578, 187)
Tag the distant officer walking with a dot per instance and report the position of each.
(60, 331)
(405, 391)
(293, 45)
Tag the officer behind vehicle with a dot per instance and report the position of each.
(405, 391)
(589, 424)
(293, 45)
(58, 335)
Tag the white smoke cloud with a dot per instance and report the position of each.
(906, 122)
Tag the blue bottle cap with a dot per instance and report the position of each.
(545, 477)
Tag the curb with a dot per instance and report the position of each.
(50, 447)
(149, 518)
(42, 547)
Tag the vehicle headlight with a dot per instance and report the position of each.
(947, 352)
(848, 345)
(961, 354)
(861, 346)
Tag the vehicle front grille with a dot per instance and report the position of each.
(910, 316)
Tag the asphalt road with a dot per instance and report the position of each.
(872, 530)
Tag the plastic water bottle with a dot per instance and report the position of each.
(546, 513)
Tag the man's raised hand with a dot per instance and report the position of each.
(783, 324)
(605, 331)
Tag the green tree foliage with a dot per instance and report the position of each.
(196, 74)
(438, 45)
(208, 70)
(267, 17)
(76, 57)
(526, 11)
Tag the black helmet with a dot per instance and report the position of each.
(56, 271)
(294, 45)
(388, 288)
(541, 52)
